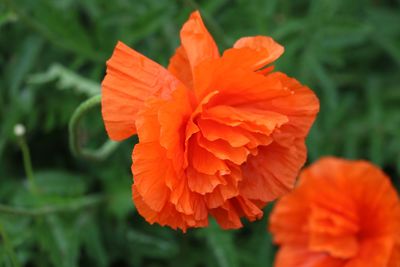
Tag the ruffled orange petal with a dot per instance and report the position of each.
(167, 216)
(254, 53)
(288, 221)
(224, 151)
(179, 66)
(247, 208)
(236, 85)
(150, 170)
(203, 183)
(226, 216)
(333, 232)
(272, 172)
(186, 201)
(339, 246)
(173, 116)
(300, 106)
(253, 120)
(147, 124)
(336, 223)
(226, 190)
(154, 175)
(376, 193)
(155, 172)
(300, 101)
(263, 44)
(204, 161)
(352, 216)
(197, 46)
(213, 131)
(131, 78)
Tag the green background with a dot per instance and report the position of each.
(52, 57)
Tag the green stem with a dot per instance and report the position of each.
(8, 246)
(69, 207)
(100, 154)
(26, 158)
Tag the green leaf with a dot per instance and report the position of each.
(60, 183)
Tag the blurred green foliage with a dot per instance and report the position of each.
(52, 57)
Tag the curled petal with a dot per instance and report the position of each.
(263, 47)
(253, 53)
(213, 131)
(224, 191)
(203, 183)
(188, 202)
(204, 161)
(253, 120)
(224, 151)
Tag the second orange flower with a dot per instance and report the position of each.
(219, 135)
(343, 213)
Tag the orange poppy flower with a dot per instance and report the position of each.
(218, 135)
(342, 214)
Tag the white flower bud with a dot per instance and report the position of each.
(19, 129)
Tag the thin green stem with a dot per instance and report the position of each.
(75, 205)
(100, 154)
(8, 246)
(26, 158)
